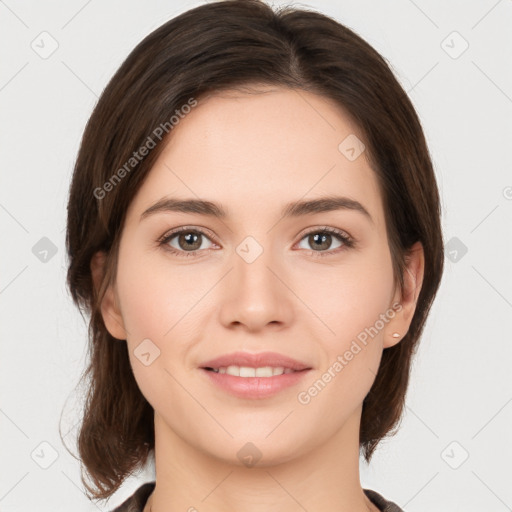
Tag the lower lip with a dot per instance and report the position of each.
(255, 387)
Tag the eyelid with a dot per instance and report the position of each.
(327, 229)
(197, 229)
(346, 239)
(164, 240)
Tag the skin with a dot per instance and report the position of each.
(253, 153)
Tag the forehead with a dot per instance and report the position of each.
(261, 148)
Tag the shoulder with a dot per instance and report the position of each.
(382, 503)
(137, 501)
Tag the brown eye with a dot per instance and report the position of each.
(320, 241)
(185, 241)
(189, 241)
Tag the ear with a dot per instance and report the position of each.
(406, 300)
(110, 311)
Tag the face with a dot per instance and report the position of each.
(317, 287)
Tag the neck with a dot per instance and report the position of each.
(323, 478)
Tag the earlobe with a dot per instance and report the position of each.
(413, 280)
(110, 311)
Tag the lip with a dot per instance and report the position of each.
(256, 361)
(255, 387)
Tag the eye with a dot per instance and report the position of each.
(322, 238)
(188, 241)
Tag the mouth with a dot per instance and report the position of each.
(254, 376)
(250, 383)
(248, 372)
(246, 364)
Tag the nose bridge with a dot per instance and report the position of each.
(252, 262)
(255, 295)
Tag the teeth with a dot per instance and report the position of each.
(245, 371)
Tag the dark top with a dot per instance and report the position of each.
(137, 501)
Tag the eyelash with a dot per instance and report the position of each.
(348, 242)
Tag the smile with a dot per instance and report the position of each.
(246, 371)
(248, 383)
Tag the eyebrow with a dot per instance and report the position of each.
(294, 209)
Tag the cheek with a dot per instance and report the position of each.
(351, 296)
(163, 304)
(151, 296)
(154, 313)
(144, 302)
(349, 303)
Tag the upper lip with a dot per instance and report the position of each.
(259, 360)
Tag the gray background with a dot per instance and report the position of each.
(453, 451)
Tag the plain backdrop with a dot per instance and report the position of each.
(453, 450)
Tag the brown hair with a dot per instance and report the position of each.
(227, 45)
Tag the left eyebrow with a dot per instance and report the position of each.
(294, 209)
(324, 204)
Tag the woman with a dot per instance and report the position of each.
(254, 229)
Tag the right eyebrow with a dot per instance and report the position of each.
(199, 206)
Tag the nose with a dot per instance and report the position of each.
(255, 293)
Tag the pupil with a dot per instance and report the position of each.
(191, 240)
(322, 238)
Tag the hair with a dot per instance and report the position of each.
(234, 45)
